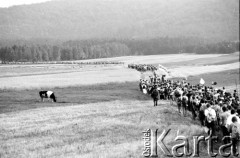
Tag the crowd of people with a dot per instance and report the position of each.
(142, 67)
(216, 109)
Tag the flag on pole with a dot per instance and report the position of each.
(202, 81)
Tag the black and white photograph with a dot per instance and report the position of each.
(119, 78)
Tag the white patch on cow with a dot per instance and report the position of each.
(144, 91)
(49, 93)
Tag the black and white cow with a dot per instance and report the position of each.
(47, 94)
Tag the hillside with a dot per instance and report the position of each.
(85, 19)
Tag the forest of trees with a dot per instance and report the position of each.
(89, 49)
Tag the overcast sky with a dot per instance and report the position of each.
(8, 3)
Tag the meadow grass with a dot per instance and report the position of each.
(67, 78)
(228, 78)
(89, 127)
(106, 129)
(100, 120)
(207, 60)
(16, 100)
(153, 59)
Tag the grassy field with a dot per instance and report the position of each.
(100, 111)
(64, 77)
(15, 70)
(107, 129)
(207, 60)
(104, 120)
(151, 59)
(84, 126)
(228, 79)
(15, 100)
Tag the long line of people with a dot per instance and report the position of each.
(216, 109)
(71, 62)
(142, 67)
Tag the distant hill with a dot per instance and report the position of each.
(135, 19)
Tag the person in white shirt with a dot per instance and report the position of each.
(229, 119)
(211, 117)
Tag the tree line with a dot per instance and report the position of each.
(90, 49)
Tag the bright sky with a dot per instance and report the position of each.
(8, 3)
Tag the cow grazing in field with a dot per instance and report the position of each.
(47, 94)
